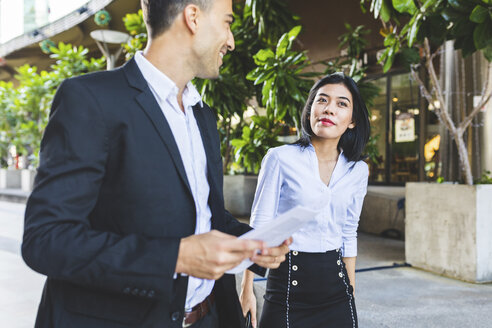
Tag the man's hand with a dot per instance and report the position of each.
(210, 255)
(272, 257)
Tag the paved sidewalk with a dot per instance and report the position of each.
(393, 298)
(20, 287)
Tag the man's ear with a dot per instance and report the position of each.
(191, 14)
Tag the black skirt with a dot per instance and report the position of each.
(309, 290)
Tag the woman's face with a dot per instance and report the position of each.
(331, 111)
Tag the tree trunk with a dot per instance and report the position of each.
(463, 156)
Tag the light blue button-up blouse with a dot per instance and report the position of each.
(289, 177)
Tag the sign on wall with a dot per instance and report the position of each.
(405, 127)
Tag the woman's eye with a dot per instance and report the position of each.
(321, 100)
(343, 104)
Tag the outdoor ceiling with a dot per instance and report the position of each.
(77, 35)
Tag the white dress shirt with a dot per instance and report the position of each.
(187, 136)
(289, 177)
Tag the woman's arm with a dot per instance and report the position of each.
(263, 210)
(247, 296)
(350, 266)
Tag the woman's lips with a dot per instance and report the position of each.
(326, 122)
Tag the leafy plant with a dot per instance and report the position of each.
(255, 141)
(27, 106)
(284, 84)
(428, 25)
(486, 178)
(135, 25)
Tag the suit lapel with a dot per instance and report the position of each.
(207, 144)
(149, 105)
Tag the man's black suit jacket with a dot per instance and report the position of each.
(110, 205)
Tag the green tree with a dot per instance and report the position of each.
(27, 106)
(428, 24)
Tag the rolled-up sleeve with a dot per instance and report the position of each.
(267, 193)
(349, 230)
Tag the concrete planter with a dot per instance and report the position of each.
(448, 230)
(381, 213)
(27, 179)
(10, 179)
(239, 192)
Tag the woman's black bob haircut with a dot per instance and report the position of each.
(353, 141)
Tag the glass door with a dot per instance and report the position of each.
(405, 121)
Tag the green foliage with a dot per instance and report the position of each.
(284, 84)
(135, 25)
(354, 40)
(270, 19)
(437, 20)
(255, 141)
(486, 178)
(27, 106)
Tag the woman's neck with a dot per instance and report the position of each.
(326, 149)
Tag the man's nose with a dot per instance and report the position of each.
(230, 42)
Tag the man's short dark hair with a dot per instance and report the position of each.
(353, 141)
(159, 15)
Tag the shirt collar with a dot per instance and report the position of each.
(163, 86)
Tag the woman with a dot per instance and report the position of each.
(314, 287)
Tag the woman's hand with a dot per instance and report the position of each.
(247, 297)
(248, 303)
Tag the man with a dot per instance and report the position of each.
(125, 215)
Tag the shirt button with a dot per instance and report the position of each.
(175, 316)
(143, 292)
(338, 262)
(135, 291)
(126, 290)
(294, 282)
(294, 267)
(340, 275)
(295, 253)
(151, 293)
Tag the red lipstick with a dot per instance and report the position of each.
(326, 122)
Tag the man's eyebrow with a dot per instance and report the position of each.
(340, 97)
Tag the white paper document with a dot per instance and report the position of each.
(277, 230)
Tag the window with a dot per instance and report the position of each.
(395, 121)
